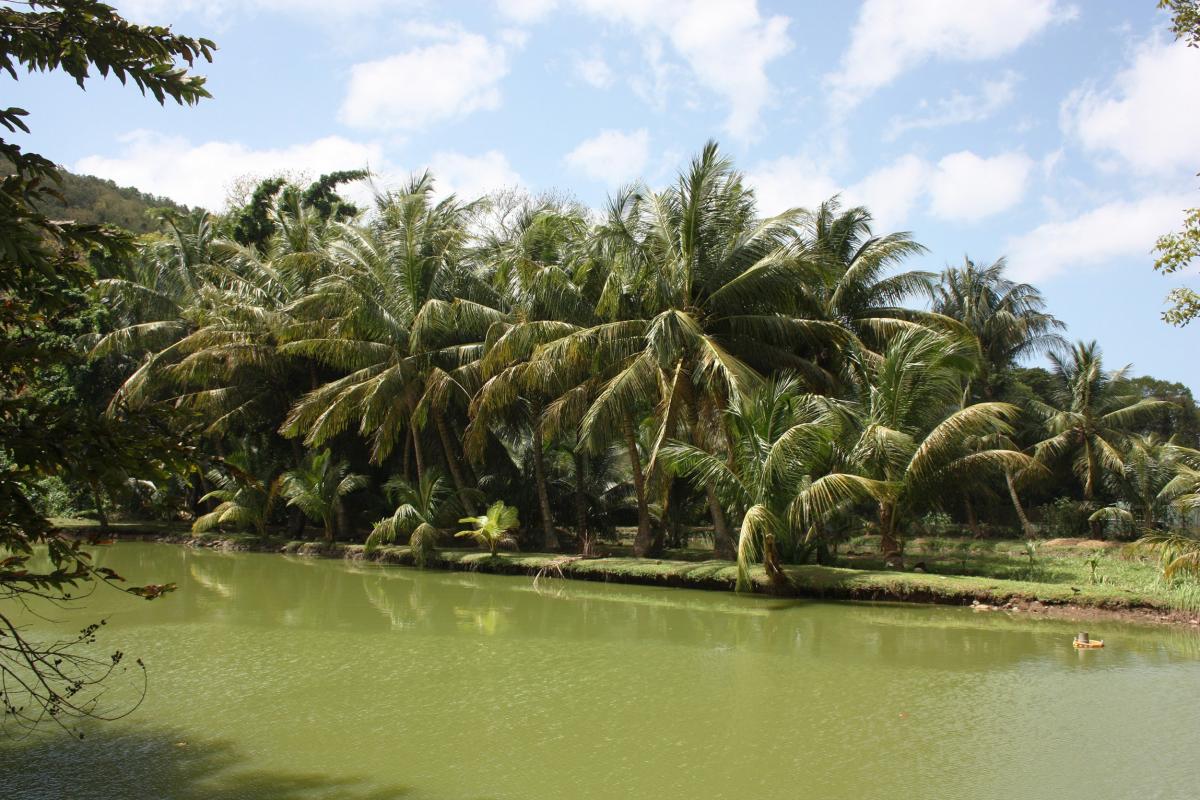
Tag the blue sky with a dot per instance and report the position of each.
(1065, 136)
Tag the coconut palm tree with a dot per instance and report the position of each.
(1154, 476)
(912, 434)
(1086, 419)
(394, 309)
(247, 488)
(785, 476)
(702, 294)
(1008, 320)
(318, 488)
(539, 263)
(157, 301)
(418, 511)
(859, 287)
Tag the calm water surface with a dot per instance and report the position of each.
(287, 678)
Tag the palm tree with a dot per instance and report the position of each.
(394, 309)
(701, 295)
(857, 286)
(1008, 320)
(157, 300)
(912, 434)
(246, 491)
(538, 262)
(493, 528)
(1086, 419)
(784, 477)
(318, 488)
(418, 509)
(1154, 476)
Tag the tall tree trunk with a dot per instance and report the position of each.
(723, 546)
(644, 544)
(972, 520)
(1089, 486)
(549, 537)
(453, 463)
(888, 542)
(1027, 527)
(296, 523)
(98, 499)
(581, 518)
(342, 518)
(418, 458)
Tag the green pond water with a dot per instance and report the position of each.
(282, 678)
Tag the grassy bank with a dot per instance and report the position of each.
(1056, 575)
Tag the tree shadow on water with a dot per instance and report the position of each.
(162, 764)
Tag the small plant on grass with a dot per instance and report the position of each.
(493, 528)
(963, 548)
(1093, 563)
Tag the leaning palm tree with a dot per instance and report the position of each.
(418, 509)
(1086, 419)
(318, 488)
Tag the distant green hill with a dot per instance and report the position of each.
(91, 200)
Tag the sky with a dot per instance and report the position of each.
(1062, 136)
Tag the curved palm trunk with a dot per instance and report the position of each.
(722, 539)
(453, 463)
(549, 537)
(644, 544)
(723, 544)
(1027, 527)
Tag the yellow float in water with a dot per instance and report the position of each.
(1083, 642)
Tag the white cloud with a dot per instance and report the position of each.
(611, 156)
(1149, 116)
(891, 192)
(791, 182)
(447, 79)
(594, 71)
(959, 108)
(961, 186)
(968, 187)
(201, 174)
(727, 45)
(1118, 230)
(472, 176)
(526, 11)
(170, 11)
(893, 36)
